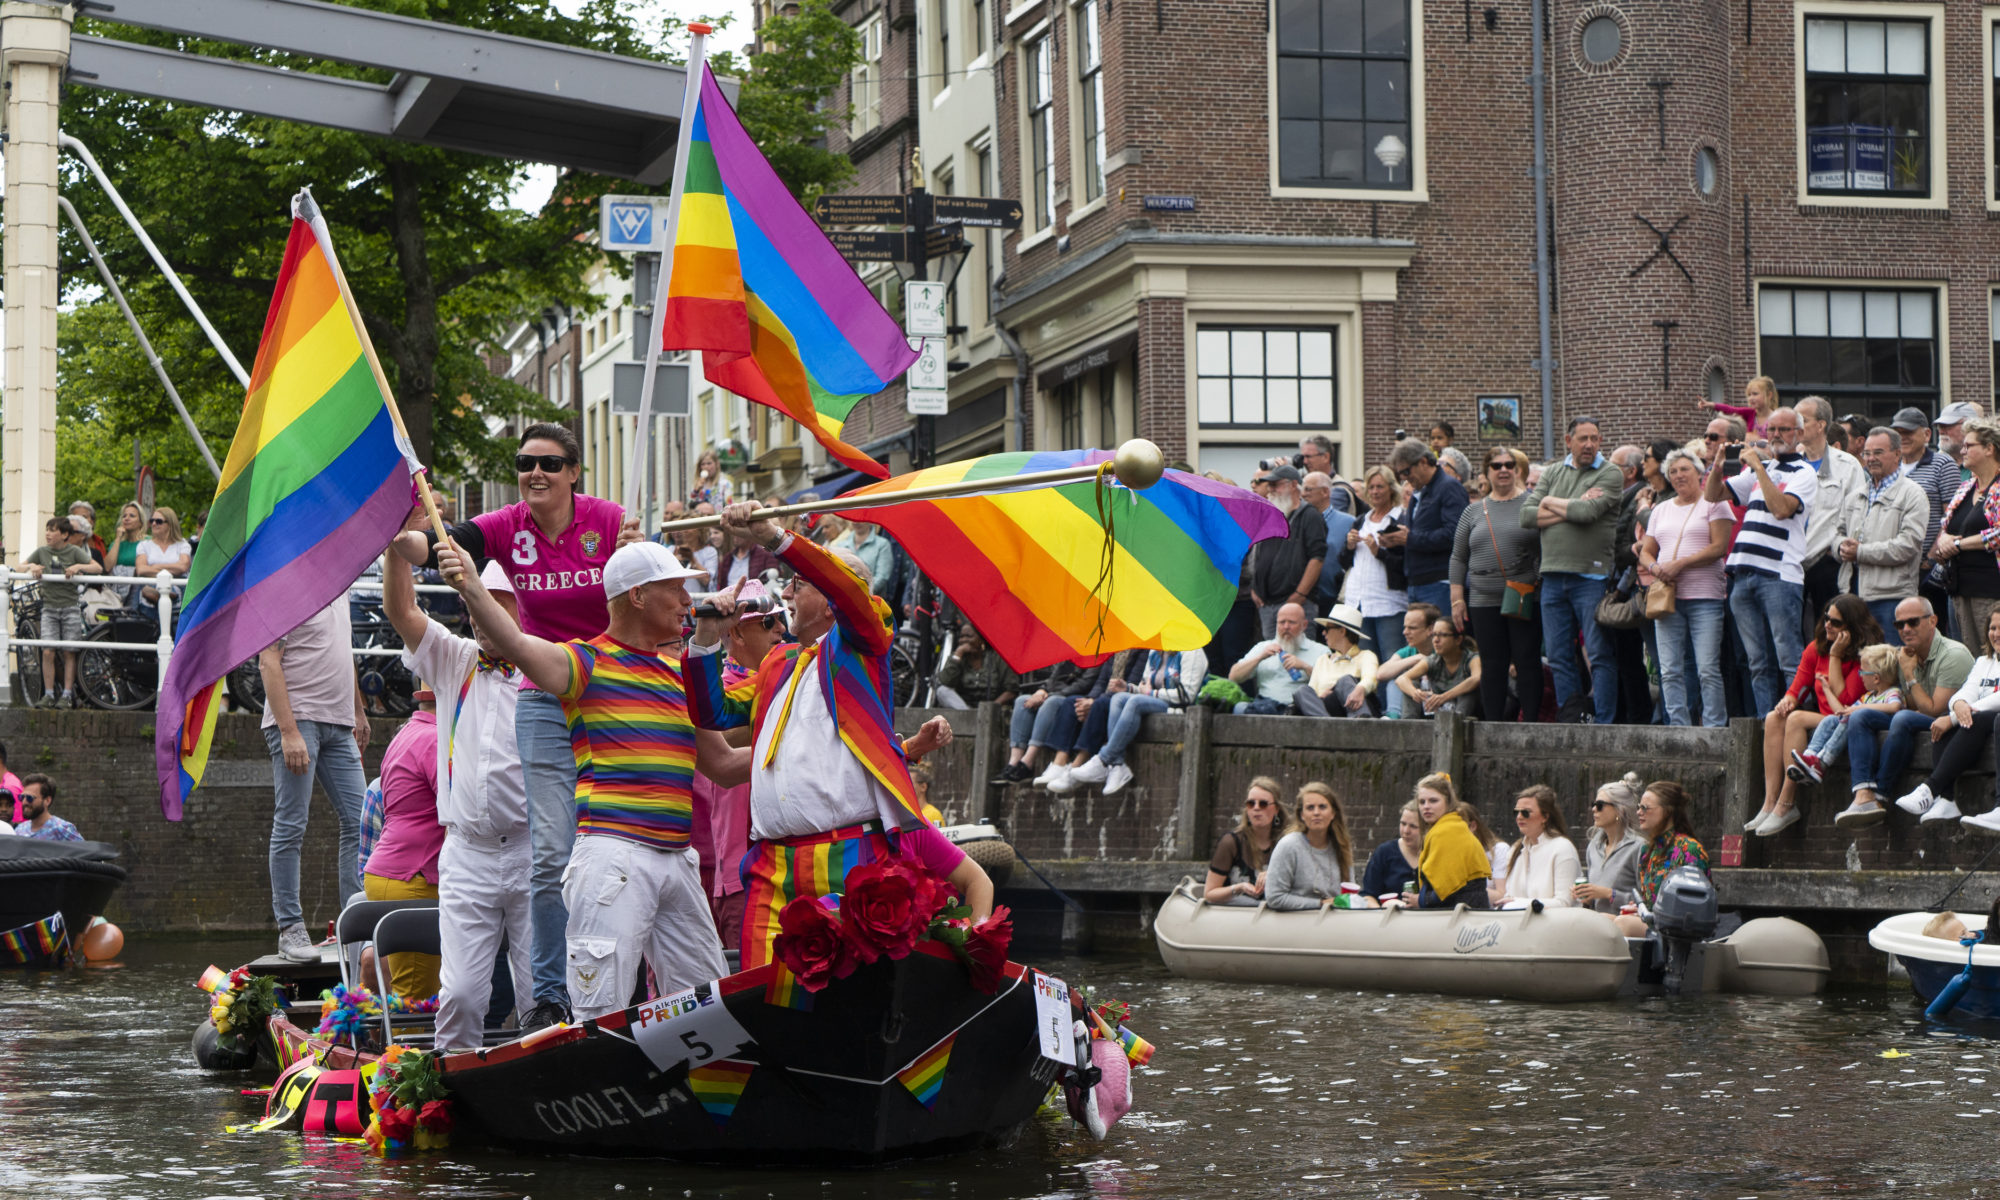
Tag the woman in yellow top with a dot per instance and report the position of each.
(1453, 867)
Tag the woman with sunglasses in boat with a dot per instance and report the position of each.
(1311, 863)
(1668, 827)
(553, 543)
(1611, 854)
(1453, 868)
(1543, 864)
(1236, 871)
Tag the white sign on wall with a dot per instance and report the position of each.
(926, 404)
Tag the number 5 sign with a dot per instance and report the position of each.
(692, 1027)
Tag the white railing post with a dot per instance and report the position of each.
(164, 582)
(6, 632)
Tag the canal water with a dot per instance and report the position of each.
(1256, 1091)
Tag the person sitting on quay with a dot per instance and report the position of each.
(1171, 682)
(1412, 655)
(38, 792)
(975, 672)
(1093, 713)
(1454, 867)
(1280, 666)
(1878, 691)
(1961, 736)
(1450, 678)
(1344, 675)
(1236, 871)
(1040, 721)
(1668, 828)
(1612, 853)
(1828, 676)
(1311, 863)
(1933, 667)
(1544, 864)
(1392, 869)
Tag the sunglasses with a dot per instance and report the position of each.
(1910, 622)
(1835, 623)
(1522, 813)
(159, 520)
(1711, 437)
(1595, 805)
(1260, 804)
(549, 463)
(1505, 464)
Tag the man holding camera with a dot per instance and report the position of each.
(1767, 562)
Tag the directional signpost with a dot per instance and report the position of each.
(869, 247)
(862, 210)
(986, 211)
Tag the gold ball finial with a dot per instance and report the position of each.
(1138, 464)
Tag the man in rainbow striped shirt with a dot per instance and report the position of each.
(633, 885)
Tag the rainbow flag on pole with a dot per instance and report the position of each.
(779, 316)
(1082, 570)
(319, 478)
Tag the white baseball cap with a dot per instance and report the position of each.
(641, 563)
(495, 578)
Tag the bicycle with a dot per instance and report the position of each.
(27, 601)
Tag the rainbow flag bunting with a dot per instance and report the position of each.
(925, 1077)
(779, 316)
(719, 1085)
(42, 943)
(1029, 566)
(317, 482)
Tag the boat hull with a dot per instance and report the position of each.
(1935, 962)
(38, 878)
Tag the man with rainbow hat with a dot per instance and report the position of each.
(830, 786)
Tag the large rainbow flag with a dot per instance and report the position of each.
(1082, 570)
(779, 316)
(318, 480)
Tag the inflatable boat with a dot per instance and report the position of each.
(49, 891)
(1548, 954)
(983, 844)
(1934, 963)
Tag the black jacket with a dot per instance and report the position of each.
(1281, 565)
(1433, 529)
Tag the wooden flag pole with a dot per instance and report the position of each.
(638, 499)
(307, 207)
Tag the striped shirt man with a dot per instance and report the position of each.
(634, 744)
(1765, 543)
(1939, 478)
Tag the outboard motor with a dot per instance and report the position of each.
(1684, 916)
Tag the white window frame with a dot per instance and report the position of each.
(1418, 163)
(1941, 286)
(1029, 42)
(864, 90)
(1081, 109)
(1989, 28)
(1939, 80)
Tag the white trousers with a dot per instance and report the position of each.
(629, 902)
(482, 893)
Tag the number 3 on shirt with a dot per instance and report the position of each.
(525, 551)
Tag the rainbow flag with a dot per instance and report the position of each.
(1032, 570)
(317, 482)
(719, 1085)
(45, 942)
(779, 316)
(925, 1077)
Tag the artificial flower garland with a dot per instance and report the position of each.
(409, 1105)
(347, 1012)
(242, 1008)
(887, 908)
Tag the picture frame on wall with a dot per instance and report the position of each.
(1499, 418)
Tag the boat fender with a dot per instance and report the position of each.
(1947, 997)
(211, 1055)
(1535, 906)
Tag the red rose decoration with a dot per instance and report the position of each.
(986, 949)
(435, 1116)
(886, 908)
(398, 1123)
(810, 945)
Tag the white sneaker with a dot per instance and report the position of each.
(1940, 810)
(1986, 822)
(1918, 801)
(1063, 782)
(1048, 773)
(1117, 778)
(1093, 771)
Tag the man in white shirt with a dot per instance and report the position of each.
(1280, 666)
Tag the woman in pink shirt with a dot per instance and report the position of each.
(1685, 540)
(553, 544)
(404, 864)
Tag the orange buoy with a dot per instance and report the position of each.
(102, 941)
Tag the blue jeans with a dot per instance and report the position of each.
(1128, 710)
(1021, 726)
(1569, 604)
(1700, 620)
(1260, 707)
(1053, 723)
(1387, 634)
(1438, 594)
(1884, 612)
(334, 759)
(1767, 616)
(548, 769)
(1827, 739)
(1879, 745)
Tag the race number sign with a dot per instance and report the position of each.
(692, 1027)
(1052, 1019)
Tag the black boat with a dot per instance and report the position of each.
(38, 879)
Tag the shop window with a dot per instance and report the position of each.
(1868, 107)
(1266, 377)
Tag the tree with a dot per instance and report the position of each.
(441, 265)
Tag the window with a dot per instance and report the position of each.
(1344, 106)
(1993, 324)
(983, 165)
(1107, 406)
(1707, 170)
(1718, 386)
(616, 315)
(1041, 139)
(1867, 107)
(1603, 38)
(865, 85)
(1090, 101)
(978, 28)
(1069, 415)
(1255, 377)
(944, 43)
(1875, 348)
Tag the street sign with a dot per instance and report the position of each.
(632, 223)
(943, 240)
(670, 389)
(991, 212)
(1168, 203)
(862, 210)
(928, 373)
(923, 308)
(869, 247)
(922, 403)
